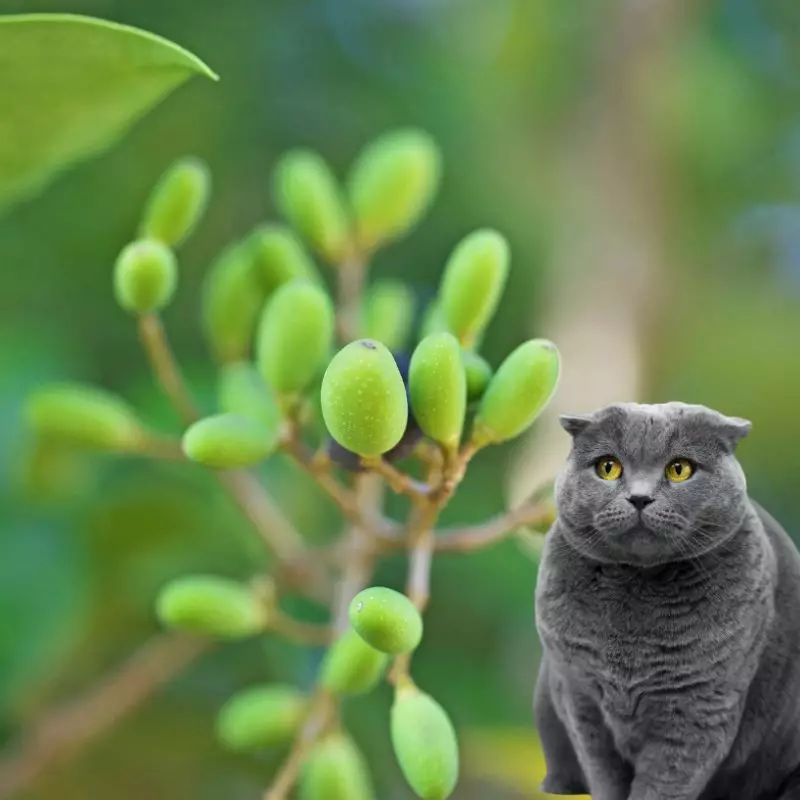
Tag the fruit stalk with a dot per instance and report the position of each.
(352, 273)
(321, 712)
(538, 514)
(162, 360)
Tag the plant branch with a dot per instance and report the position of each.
(300, 632)
(319, 717)
(359, 550)
(319, 467)
(352, 274)
(466, 540)
(420, 542)
(63, 732)
(278, 533)
(399, 482)
(165, 367)
(162, 448)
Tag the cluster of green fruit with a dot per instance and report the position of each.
(272, 326)
(384, 623)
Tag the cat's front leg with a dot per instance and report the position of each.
(679, 765)
(607, 773)
(564, 773)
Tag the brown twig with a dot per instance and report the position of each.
(469, 539)
(352, 274)
(420, 541)
(278, 533)
(398, 481)
(160, 447)
(359, 550)
(300, 632)
(254, 501)
(67, 729)
(319, 467)
(321, 713)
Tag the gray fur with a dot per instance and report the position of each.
(671, 636)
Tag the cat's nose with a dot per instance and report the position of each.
(640, 501)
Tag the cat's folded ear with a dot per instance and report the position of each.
(734, 429)
(575, 424)
(729, 430)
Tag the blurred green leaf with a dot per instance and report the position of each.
(71, 85)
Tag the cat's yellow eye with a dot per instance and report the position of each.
(608, 468)
(681, 469)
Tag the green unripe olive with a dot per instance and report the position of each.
(228, 441)
(261, 716)
(241, 390)
(335, 770)
(232, 301)
(386, 620)
(212, 606)
(424, 743)
(518, 392)
(84, 416)
(389, 313)
(363, 399)
(438, 387)
(309, 196)
(280, 257)
(351, 666)
(473, 281)
(479, 373)
(295, 336)
(177, 202)
(145, 276)
(392, 184)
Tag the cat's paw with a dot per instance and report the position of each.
(561, 784)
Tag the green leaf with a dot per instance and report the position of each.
(70, 86)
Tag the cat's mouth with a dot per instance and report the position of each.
(638, 530)
(638, 544)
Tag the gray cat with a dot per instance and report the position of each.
(668, 605)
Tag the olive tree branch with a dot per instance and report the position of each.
(359, 550)
(318, 466)
(277, 532)
(159, 447)
(165, 366)
(352, 273)
(397, 480)
(476, 537)
(65, 730)
(321, 712)
(299, 632)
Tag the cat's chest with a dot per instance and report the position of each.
(618, 631)
(628, 636)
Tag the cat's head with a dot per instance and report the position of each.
(650, 484)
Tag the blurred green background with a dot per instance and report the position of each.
(643, 160)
